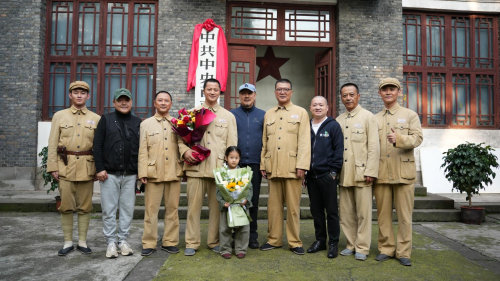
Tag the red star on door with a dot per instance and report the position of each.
(270, 65)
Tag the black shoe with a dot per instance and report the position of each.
(170, 249)
(316, 246)
(65, 251)
(147, 251)
(405, 261)
(268, 246)
(84, 250)
(333, 251)
(253, 244)
(382, 257)
(297, 250)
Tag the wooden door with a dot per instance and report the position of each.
(241, 70)
(323, 77)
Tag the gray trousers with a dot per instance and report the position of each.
(241, 236)
(117, 192)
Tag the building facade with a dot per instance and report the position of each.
(445, 53)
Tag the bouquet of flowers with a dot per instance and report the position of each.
(191, 125)
(234, 185)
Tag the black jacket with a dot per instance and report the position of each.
(116, 143)
(327, 148)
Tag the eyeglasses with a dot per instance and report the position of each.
(282, 90)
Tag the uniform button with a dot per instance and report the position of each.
(165, 138)
(166, 158)
(388, 156)
(279, 138)
(278, 148)
(78, 135)
(345, 160)
(387, 123)
(166, 148)
(281, 118)
(78, 124)
(208, 142)
(345, 149)
(345, 137)
(346, 127)
(77, 146)
(165, 129)
(280, 128)
(208, 132)
(77, 157)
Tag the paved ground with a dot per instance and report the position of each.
(30, 242)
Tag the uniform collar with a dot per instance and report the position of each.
(354, 111)
(285, 107)
(213, 108)
(160, 118)
(393, 109)
(75, 110)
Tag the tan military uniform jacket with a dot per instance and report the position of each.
(220, 134)
(159, 159)
(286, 141)
(361, 147)
(74, 129)
(397, 161)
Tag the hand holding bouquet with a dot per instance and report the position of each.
(234, 186)
(191, 125)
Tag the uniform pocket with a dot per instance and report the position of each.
(402, 128)
(267, 162)
(66, 130)
(292, 162)
(408, 170)
(292, 126)
(221, 130)
(359, 172)
(220, 160)
(358, 135)
(90, 167)
(152, 169)
(153, 138)
(271, 127)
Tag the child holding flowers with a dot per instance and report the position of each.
(234, 194)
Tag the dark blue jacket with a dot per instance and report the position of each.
(249, 123)
(327, 148)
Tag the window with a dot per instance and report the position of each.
(273, 24)
(108, 44)
(451, 72)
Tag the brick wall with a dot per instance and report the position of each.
(22, 25)
(175, 34)
(370, 43)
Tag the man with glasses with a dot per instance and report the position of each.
(285, 157)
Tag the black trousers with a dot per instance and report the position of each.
(323, 199)
(256, 180)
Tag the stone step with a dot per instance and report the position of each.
(264, 188)
(432, 201)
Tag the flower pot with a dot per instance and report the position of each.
(58, 202)
(472, 215)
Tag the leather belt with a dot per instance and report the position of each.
(88, 152)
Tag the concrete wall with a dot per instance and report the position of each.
(22, 25)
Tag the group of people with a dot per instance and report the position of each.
(359, 152)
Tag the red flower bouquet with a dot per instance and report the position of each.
(191, 125)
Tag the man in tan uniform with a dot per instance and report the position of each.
(160, 169)
(360, 169)
(71, 162)
(285, 157)
(399, 133)
(220, 134)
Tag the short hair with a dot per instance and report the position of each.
(210, 80)
(162, 92)
(283, 80)
(322, 98)
(350, 84)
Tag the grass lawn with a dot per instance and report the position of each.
(431, 261)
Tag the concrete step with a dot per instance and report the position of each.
(432, 201)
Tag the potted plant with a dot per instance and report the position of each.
(47, 177)
(469, 167)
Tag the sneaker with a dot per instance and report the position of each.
(84, 250)
(65, 251)
(216, 249)
(170, 249)
(268, 246)
(125, 249)
(297, 250)
(240, 255)
(253, 244)
(226, 255)
(360, 256)
(346, 252)
(382, 257)
(405, 261)
(147, 251)
(189, 252)
(111, 252)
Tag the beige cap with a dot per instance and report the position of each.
(79, 85)
(389, 81)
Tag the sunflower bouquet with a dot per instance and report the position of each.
(234, 186)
